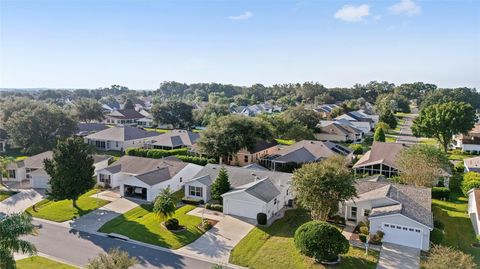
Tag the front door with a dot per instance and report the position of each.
(353, 212)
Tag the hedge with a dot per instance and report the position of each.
(215, 207)
(436, 236)
(192, 201)
(155, 153)
(470, 180)
(195, 160)
(440, 193)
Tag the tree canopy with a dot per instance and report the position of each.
(87, 110)
(114, 259)
(221, 185)
(379, 135)
(165, 204)
(12, 227)
(176, 113)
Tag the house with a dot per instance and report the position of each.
(474, 209)
(355, 116)
(32, 169)
(84, 129)
(258, 109)
(368, 114)
(336, 132)
(472, 164)
(146, 121)
(245, 156)
(252, 191)
(402, 212)
(3, 140)
(119, 138)
(325, 110)
(469, 142)
(110, 105)
(144, 178)
(365, 127)
(123, 117)
(173, 140)
(305, 151)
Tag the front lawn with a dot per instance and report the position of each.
(143, 225)
(5, 194)
(458, 229)
(286, 142)
(273, 247)
(63, 210)
(37, 262)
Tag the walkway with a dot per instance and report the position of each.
(217, 243)
(22, 200)
(394, 256)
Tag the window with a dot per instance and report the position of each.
(181, 179)
(105, 179)
(386, 225)
(12, 174)
(398, 227)
(410, 229)
(275, 201)
(245, 159)
(195, 191)
(354, 212)
(366, 212)
(416, 230)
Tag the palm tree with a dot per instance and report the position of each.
(115, 258)
(165, 204)
(11, 228)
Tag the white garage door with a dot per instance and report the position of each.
(402, 235)
(39, 182)
(242, 208)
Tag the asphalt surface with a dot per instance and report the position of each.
(77, 248)
(406, 136)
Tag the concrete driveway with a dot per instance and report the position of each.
(395, 256)
(22, 200)
(216, 244)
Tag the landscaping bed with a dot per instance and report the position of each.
(5, 194)
(63, 210)
(37, 262)
(143, 225)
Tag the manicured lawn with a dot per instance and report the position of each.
(5, 194)
(390, 138)
(273, 247)
(143, 225)
(63, 210)
(458, 227)
(37, 262)
(157, 130)
(428, 141)
(285, 141)
(458, 156)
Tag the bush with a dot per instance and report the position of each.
(459, 167)
(363, 238)
(438, 224)
(192, 201)
(156, 153)
(357, 149)
(436, 236)
(440, 193)
(320, 240)
(377, 237)
(262, 218)
(364, 230)
(215, 207)
(470, 180)
(195, 160)
(206, 225)
(172, 224)
(443, 257)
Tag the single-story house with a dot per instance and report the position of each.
(147, 120)
(474, 209)
(305, 151)
(246, 156)
(469, 142)
(402, 212)
(325, 110)
(173, 140)
(84, 129)
(472, 164)
(356, 116)
(144, 178)
(252, 191)
(32, 169)
(123, 117)
(119, 138)
(336, 132)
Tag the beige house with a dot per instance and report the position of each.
(245, 157)
(339, 133)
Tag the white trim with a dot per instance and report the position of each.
(421, 230)
(398, 214)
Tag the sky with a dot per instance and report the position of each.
(140, 43)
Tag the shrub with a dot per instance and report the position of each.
(321, 241)
(470, 180)
(377, 237)
(459, 167)
(440, 193)
(192, 201)
(206, 225)
(379, 135)
(262, 218)
(364, 230)
(438, 224)
(436, 236)
(357, 149)
(363, 238)
(156, 153)
(215, 207)
(443, 257)
(195, 160)
(172, 224)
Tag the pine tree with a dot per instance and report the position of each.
(389, 118)
(379, 135)
(221, 185)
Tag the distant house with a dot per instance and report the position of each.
(305, 151)
(3, 140)
(472, 164)
(173, 140)
(84, 129)
(123, 117)
(245, 156)
(474, 209)
(336, 132)
(401, 212)
(356, 116)
(469, 142)
(146, 121)
(144, 178)
(258, 109)
(252, 191)
(364, 127)
(325, 110)
(119, 138)
(32, 169)
(110, 106)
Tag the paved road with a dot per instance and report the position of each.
(77, 247)
(394, 256)
(406, 136)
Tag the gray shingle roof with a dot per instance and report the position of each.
(121, 133)
(175, 138)
(309, 151)
(381, 152)
(264, 190)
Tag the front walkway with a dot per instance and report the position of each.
(217, 243)
(395, 256)
(22, 200)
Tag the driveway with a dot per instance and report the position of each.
(22, 200)
(394, 256)
(217, 243)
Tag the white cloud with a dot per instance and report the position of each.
(407, 7)
(352, 13)
(245, 16)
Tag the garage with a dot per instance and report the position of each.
(241, 208)
(402, 235)
(135, 192)
(39, 179)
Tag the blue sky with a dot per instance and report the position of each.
(138, 43)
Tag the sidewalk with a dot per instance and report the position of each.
(21, 201)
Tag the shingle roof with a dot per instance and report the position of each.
(90, 127)
(126, 114)
(175, 138)
(139, 165)
(309, 151)
(381, 152)
(473, 164)
(264, 190)
(121, 133)
(263, 145)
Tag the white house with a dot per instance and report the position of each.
(144, 178)
(473, 209)
(124, 117)
(468, 142)
(119, 138)
(472, 164)
(253, 191)
(173, 140)
(402, 212)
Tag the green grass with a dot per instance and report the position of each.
(5, 194)
(63, 210)
(285, 141)
(37, 262)
(157, 130)
(273, 247)
(390, 138)
(459, 156)
(143, 225)
(458, 229)
(15, 153)
(428, 141)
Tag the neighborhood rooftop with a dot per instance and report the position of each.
(122, 133)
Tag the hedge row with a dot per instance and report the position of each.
(155, 153)
(195, 160)
(440, 193)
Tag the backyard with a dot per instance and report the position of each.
(143, 225)
(63, 210)
(273, 247)
(37, 262)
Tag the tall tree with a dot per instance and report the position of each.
(379, 135)
(87, 110)
(221, 185)
(114, 259)
(442, 121)
(4, 161)
(13, 105)
(12, 227)
(71, 170)
(320, 187)
(176, 113)
(307, 117)
(388, 117)
(165, 204)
